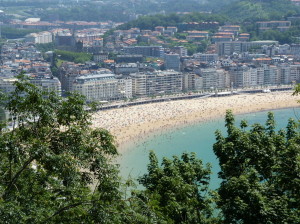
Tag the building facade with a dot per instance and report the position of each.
(155, 83)
(101, 87)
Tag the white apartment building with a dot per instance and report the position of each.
(230, 47)
(154, 83)
(39, 38)
(243, 76)
(139, 84)
(295, 73)
(49, 84)
(6, 84)
(126, 68)
(237, 75)
(98, 87)
(206, 57)
(188, 81)
(125, 88)
(284, 74)
(46, 83)
(287, 74)
(198, 82)
(182, 51)
(260, 76)
(215, 78)
(270, 75)
(249, 78)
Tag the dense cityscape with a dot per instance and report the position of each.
(141, 65)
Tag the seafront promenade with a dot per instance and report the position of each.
(133, 123)
(184, 96)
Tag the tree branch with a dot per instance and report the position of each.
(16, 176)
(67, 208)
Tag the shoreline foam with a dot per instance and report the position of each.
(133, 124)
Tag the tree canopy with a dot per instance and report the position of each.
(50, 158)
(178, 190)
(14, 33)
(173, 19)
(260, 170)
(259, 10)
(77, 57)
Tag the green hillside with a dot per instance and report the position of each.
(254, 10)
(236, 12)
(149, 22)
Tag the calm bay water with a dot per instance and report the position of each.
(198, 138)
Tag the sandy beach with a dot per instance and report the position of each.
(132, 124)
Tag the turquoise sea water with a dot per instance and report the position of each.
(198, 138)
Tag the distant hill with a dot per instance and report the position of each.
(125, 10)
(235, 12)
(149, 22)
(254, 10)
(169, 6)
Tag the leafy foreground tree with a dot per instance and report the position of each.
(53, 167)
(260, 169)
(177, 191)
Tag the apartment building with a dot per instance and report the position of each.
(271, 75)
(284, 74)
(221, 38)
(231, 28)
(196, 35)
(182, 51)
(190, 82)
(100, 57)
(39, 38)
(154, 83)
(244, 37)
(215, 78)
(160, 29)
(68, 72)
(7, 84)
(128, 58)
(148, 51)
(172, 61)
(206, 57)
(198, 26)
(230, 47)
(98, 87)
(244, 76)
(170, 30)
(295, 50)
(49, 84)
(196, 38)
(277, 25)
(295, 73)
(126, 68)
(250, 77)
(238, 75)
